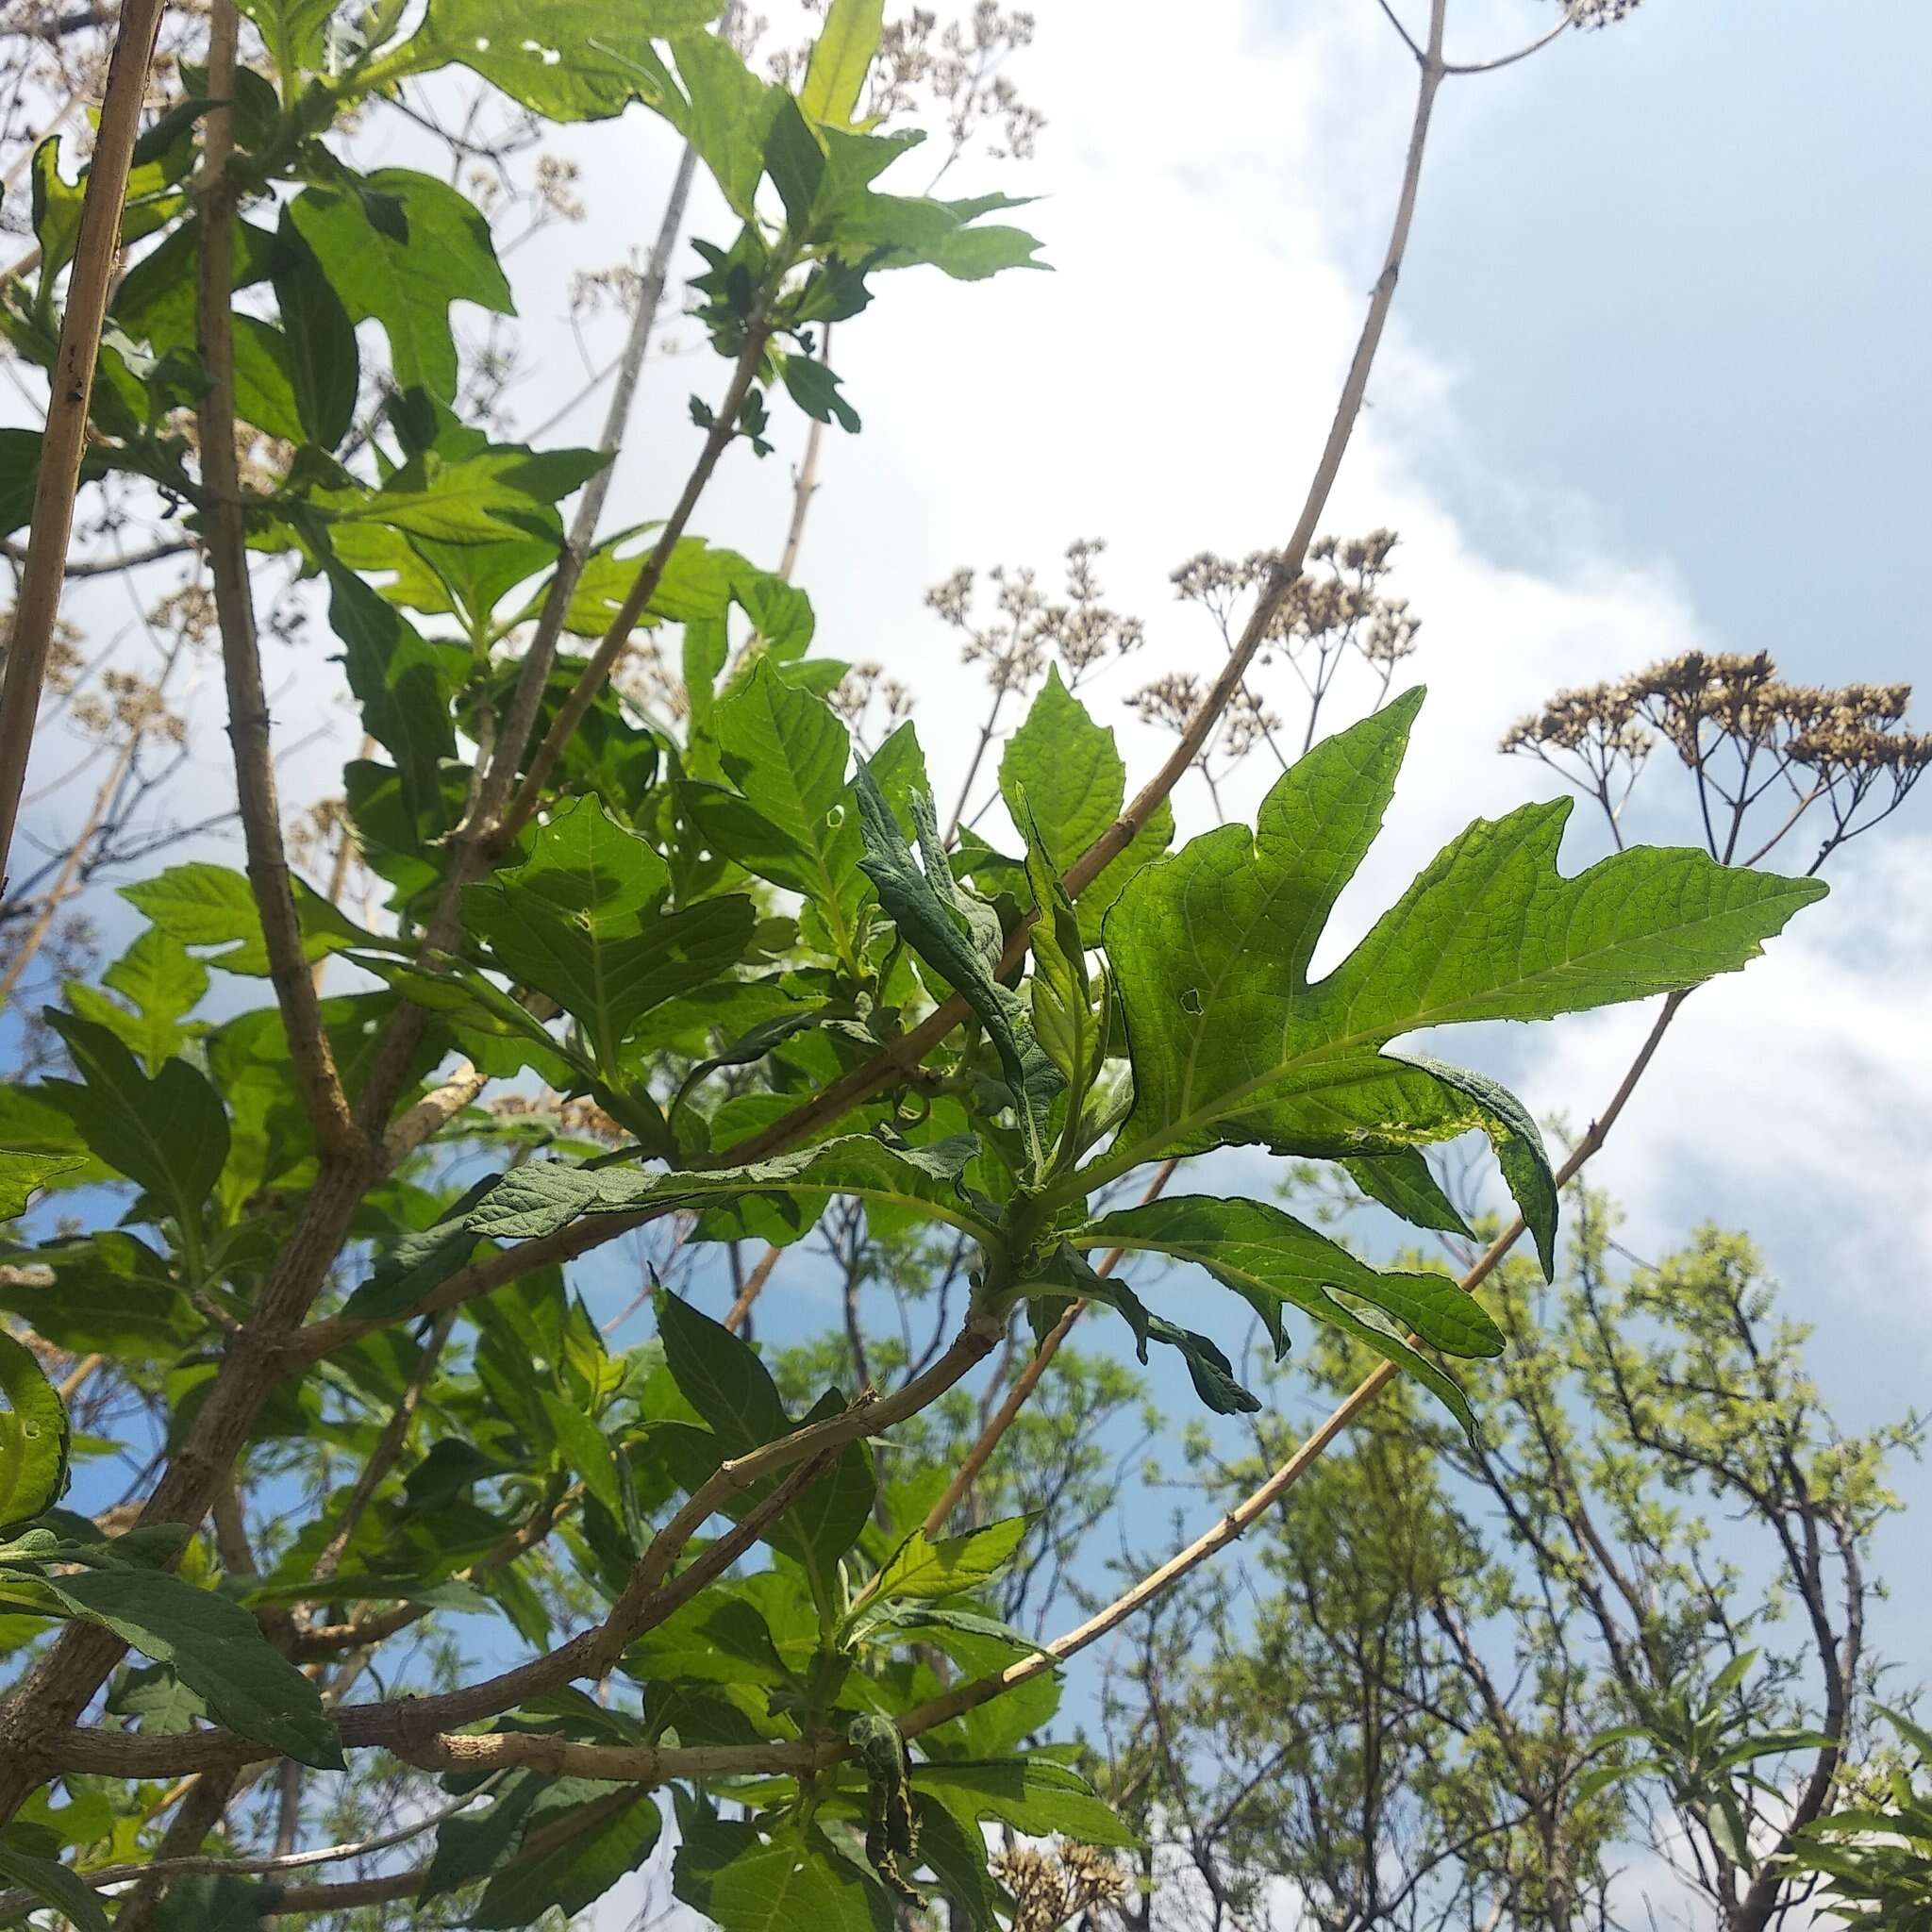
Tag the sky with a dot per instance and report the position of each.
(1656, 379)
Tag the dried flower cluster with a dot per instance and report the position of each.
(1335, 605)
(1743, 732)
(1082, 630)
(128, 705)
(313, 836)
(872, 704)
(956, 72)
(1598, 12)
(65, 664)
(1051, 1889)
(647, 683)
(1335, 609)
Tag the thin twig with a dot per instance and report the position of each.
(805, 485)
(106, 1875)
(98, 250)
(1028, 1379)
(1503, 60)
(739, 1311)
(535, 672)
(268, 876)
(616, 638)
(1259, 1501)
(388, 1445)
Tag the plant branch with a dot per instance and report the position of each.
(388, 1445)
(1028, 1379)
(906, 1052)
(98, 250)
(616, 638)
(535, 673)
(12, 1902)
(805, 485)
(1259, 1501)
(409, 1725)
(739, 1311)
(227, 537)
(1503, 60)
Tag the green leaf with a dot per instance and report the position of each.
(815, 390)
(974, 254)
(1035, 1794)
(1209, 1367)
(24, 1174)
(1066, 772)
(216, 1648)
(1072, 1025)
(20, 472)
(1231, 1043)
(786, 752)
(1773, 1744)
(58, 1884)
(161, 980)
(840, 58)
(571, 61)
(293, 28)
(205, 1903)
(33, 1437)
(920, 1622)
(203, 905)
(484, 1838)
(398, 247)
(404, 684)
(720, 1375)
(903, 231)
(497, 496)
(958, 937)
(585, 1450)
(578, 920)
(726, 117)
(541, 1197)
(56, 209)
(324, 369)
(746, 1880)
(795, 163)
(614, 1836)
(955, 1854)
(169, 1134)
(1272, 1262)
(1518, 1142)
(1405, 1184)
(922, 1567)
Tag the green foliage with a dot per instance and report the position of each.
(1498, 1659)
(1231, 1043)
(213, 1646)
(1874, 1859)
(397, 247)
(33, 1437)
(717, 938)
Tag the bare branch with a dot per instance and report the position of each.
(97, 252)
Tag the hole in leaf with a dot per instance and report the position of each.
(1191, 1000)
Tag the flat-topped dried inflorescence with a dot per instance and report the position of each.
(1743, 731)
(1051, 1889)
